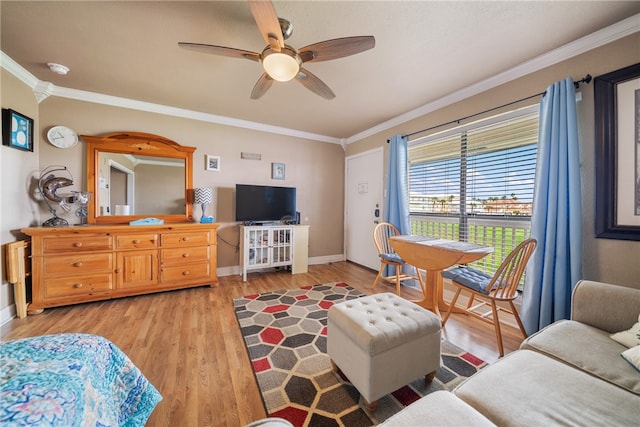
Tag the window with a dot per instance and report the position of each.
(475, 183)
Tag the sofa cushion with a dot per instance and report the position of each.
(604, 306)
(630, 337)
(270, 422)
(440, 408)
(632, 355)
(586, 348)
(526, 388)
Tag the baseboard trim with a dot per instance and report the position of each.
(7, 313)
(327, 259)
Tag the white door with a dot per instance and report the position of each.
(364, 182)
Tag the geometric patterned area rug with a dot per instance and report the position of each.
(285, 333)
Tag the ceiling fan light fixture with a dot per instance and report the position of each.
(281, 66)
(280, 61)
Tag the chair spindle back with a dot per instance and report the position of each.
(504, 283)
(381, 234)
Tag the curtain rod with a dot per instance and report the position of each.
(586, 79)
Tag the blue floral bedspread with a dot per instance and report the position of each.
(72, 380)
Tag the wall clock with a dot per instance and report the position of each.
(62, 137)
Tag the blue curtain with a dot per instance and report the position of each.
(397, 204)
(396, 208)
(556, 221)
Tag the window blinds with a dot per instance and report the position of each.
(483, 170)
(476, 183)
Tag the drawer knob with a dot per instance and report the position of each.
(184, 239)
(185, 273)
(136, 241)
(78, 264)
(117, 270)
(77, 285)
(185, 255)
(77, 244)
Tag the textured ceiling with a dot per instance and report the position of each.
(424, 50)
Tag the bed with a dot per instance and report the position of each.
(72, 380)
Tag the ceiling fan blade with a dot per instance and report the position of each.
(336, 48)
(314, 84)
(268, 24)
(262, 85)
(221, 50)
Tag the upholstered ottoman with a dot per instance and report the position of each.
(382, 342)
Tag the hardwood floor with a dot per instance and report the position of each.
(188, 344)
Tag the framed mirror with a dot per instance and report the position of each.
(136, 175)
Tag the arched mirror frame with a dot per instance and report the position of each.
(137, 143)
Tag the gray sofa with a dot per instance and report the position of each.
(569, 373)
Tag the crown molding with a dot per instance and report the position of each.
(43, 89)
(602, 37)
(16, 69)
(133, 104)
(592, 41)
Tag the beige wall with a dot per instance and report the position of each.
(153, 180)
(314, 168)
(18, 168)
(614, 261)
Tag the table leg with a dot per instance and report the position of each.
(432, 289)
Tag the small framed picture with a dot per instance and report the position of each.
(277, 170)
(17, 130)
(212, 163)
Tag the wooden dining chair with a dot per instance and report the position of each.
(388, 256)
(487, 289)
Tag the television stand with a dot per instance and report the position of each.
(266, 246)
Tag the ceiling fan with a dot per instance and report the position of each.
(282, 62)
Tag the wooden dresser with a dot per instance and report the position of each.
(78, 264)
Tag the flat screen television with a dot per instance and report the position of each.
(262, 203)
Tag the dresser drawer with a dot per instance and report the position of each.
(77, 285)
(184, 255)
(195, 238)
(77, 244)
(77, 264)
(137, 241)
(187, 272)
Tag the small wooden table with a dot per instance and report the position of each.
(434, 255)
